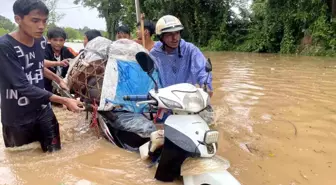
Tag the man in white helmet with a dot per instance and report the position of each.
(178, 61)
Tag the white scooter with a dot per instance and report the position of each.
(186, 138)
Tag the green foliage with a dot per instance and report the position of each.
(104, 34)
(3, 31)
(272, 26)
(205, 21)
(7, 24)
(83, 30)
(281, 26)
(73, 34)
(216, 45)
(287, 44)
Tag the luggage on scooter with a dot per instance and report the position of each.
(134, 122)
(106, 72)
(124, 76)
(110, 71)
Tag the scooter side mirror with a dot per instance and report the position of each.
(147, 65)
(208, 67)
(145, 61)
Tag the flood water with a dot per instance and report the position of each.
(276, 115)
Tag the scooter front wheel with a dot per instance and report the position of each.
(207, 171)
(211, 178)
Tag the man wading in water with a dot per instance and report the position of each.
(26, 113)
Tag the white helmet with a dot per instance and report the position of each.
(168, 23)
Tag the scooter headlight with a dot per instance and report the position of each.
(211, 136)
(193, 102)
(170, 103)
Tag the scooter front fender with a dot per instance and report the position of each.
(188, 132)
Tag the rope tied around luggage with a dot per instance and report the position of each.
(94, 121)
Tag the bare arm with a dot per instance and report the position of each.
(58, 99)
(51, 76)
(48, 63)
(72, 104)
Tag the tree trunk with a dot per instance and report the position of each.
(333, 8)
(111, 23)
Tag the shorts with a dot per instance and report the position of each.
(41, 126)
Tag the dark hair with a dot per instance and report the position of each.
(24, 7)
(56, 32)
(91, 34)
(149, 26)
(123, 29)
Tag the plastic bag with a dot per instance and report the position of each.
(133, 122)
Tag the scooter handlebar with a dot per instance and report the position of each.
(136, 98)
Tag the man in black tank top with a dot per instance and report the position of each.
(26, 114)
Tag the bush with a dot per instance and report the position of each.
(3, 31)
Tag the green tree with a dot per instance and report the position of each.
(3, 31)
(83, 30)
(73, 34)
(112, 11)
(280, 25)
(7, 24)
(54, 16)
(207, 22)
(267, 26)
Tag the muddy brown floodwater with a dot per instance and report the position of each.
(276, 115)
